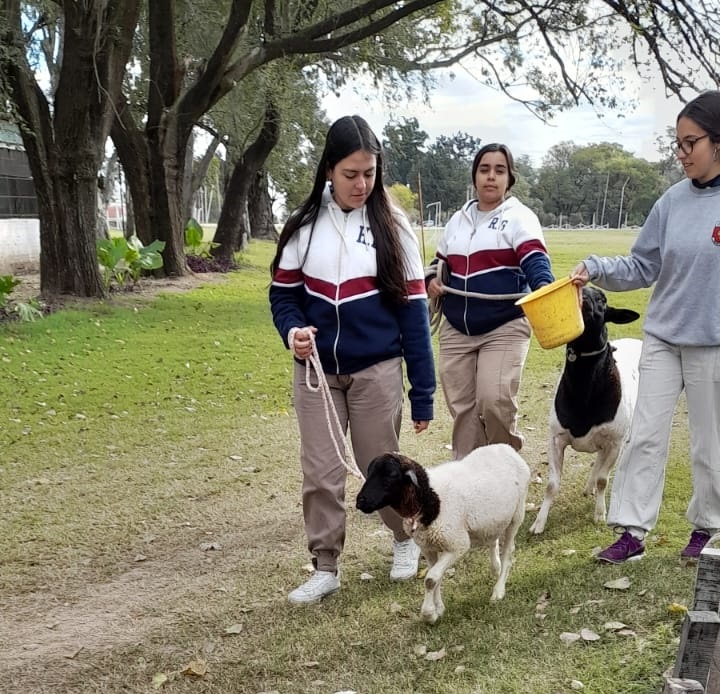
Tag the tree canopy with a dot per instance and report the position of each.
(548, 55)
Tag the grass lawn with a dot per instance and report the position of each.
(152, 527)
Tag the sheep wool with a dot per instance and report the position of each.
(478, 501)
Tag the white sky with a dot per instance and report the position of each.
(463, 105)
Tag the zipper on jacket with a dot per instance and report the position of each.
(341, 248)
(467, 269)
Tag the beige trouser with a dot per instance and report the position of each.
(480, 376)
(665, 370)
(370, 402)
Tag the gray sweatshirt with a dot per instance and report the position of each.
(678, 249)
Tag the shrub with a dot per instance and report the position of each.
(122, 258)
(21, 310)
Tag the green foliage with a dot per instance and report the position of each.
(28, 311)
(195, 243)
(442, 168)
(7, 284)
(122, 259)
(600, 183)
(23, 311)
(405, 198)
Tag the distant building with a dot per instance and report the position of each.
(17, 190)
(19, 224)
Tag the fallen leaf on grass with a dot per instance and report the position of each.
(541, 605)
(577, 685)
(589, 635)
(613, 626)
(395, 608)
(234, 629)
(73, 654)
(159, 679)
(365, 576)
(207, 546)
(677, 608)
(622, 583)
(436, 655)
(420, 649)
(195, 668)
(626, 632)
(311, 663)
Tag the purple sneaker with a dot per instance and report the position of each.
(698, 540)
(626, 548)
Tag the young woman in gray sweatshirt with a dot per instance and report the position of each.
(677, 251)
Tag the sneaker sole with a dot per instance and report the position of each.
(409, 577)
(314, 601)
(635, 557)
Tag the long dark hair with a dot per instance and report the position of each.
(705, 111)
(347, 135)
(496, 147)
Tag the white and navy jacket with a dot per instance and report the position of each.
(334, 288)
(501, 251)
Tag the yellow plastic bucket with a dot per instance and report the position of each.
(554, 312)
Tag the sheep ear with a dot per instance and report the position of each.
(620, 315)
(413, 477)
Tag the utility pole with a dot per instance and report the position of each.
(622, 194)
(602, 214)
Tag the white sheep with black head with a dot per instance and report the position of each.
(449, 508)
(594, 401)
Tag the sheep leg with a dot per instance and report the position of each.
(495, 563)
(597, 482)
(433, 607)
(507, 551)
(556, 456)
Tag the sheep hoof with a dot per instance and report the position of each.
(537, 527)
(430, 617)
(497, 594)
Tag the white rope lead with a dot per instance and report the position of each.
(313, 361)
(435, 304)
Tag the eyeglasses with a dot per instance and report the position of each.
(687, 145)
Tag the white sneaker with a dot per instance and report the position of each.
(320, 584)
(406, 556)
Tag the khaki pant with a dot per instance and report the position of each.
(665, 370)
(480, 376)
(370, 402)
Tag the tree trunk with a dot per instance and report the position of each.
(65, 143)
(260, 208)
(233, 228)
(195, 173)
(133, 154)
